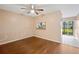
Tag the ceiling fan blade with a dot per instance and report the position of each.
(36, 12)
(27, 7)
(23, 8)
(28, 12)
(40, 9)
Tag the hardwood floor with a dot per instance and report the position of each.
(34, 45)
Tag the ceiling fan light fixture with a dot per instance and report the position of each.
(32, 11)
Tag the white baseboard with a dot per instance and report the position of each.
(49, 39)
(5, 42)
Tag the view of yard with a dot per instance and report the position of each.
(67, 27)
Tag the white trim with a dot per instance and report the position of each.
(5, 42)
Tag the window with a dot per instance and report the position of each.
(68, 27)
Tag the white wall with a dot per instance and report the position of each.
(53, 27)
(14, 26)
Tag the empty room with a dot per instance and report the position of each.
(39, 28)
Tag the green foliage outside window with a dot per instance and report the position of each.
(68, 27)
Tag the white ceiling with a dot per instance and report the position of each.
(68, 10)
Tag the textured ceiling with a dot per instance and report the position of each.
(67, 10)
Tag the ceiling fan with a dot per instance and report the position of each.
(32, 9)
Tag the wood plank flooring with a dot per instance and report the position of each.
(34, 45)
